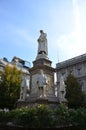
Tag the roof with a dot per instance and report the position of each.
(71, 61)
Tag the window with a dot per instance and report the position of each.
(1, 68)
(63, 75)
(79, 72)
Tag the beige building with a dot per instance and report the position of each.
(18, 62)
(20, 65)
(75, 66)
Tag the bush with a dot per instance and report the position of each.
(24, 117)
(62, 115)
(40, 116)
(43, 117)
(4, 117)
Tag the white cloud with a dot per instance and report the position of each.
(74, 43)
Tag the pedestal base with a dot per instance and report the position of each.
(34, 101)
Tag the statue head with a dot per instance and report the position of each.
(41, 31)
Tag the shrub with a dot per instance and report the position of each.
(44, 117)
(62, 115)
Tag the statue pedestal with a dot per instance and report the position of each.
(45, 66)
(34, 99)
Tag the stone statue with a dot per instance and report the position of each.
(42, 82)
(62, 90)
(42, 43)
(24, 87)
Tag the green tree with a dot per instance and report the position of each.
(9, 87)
(74, 94)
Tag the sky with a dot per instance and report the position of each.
(64, 21)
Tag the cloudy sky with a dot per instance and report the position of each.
(64, 21)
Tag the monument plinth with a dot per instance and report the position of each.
(42, 88)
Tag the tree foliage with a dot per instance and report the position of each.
(9, 87)
(74, 93)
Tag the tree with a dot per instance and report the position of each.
(10, 87)
(74, 93)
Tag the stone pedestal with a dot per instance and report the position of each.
(32, 102)
(49, 99)
(45, 65)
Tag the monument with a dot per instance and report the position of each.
(42, 88)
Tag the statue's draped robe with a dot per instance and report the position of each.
(42, 80)
(42, 44)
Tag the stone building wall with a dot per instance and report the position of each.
(75, 66)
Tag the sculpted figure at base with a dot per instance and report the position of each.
(42, 82)
(24, 87)
(62, 90)
(42, 43)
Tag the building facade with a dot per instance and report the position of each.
(20, 65)
(75, 66)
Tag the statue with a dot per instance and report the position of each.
(42, 82)
(62, 90)
(24, 87)
(42, 43)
